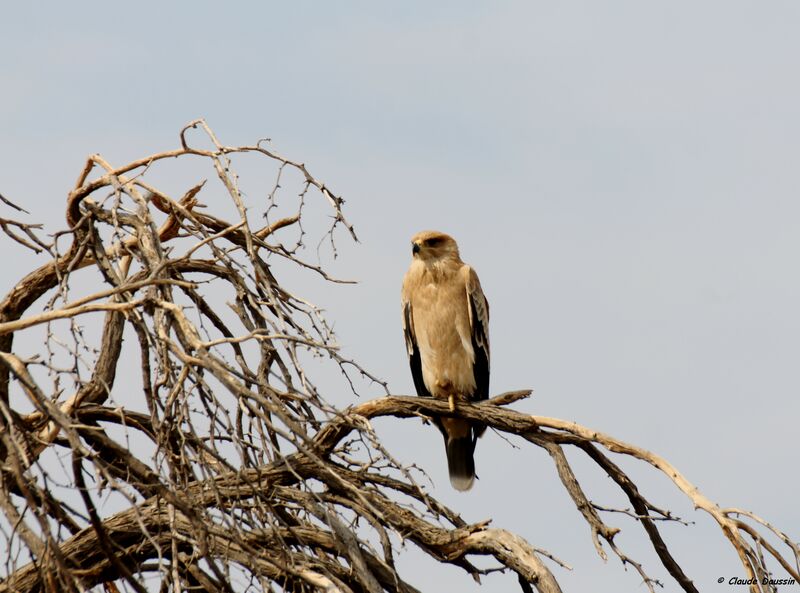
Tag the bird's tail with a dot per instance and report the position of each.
(460, 462)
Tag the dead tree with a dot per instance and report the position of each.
(223, 467)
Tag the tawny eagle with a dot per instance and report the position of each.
(446, 326)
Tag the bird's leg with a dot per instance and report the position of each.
(452, 400)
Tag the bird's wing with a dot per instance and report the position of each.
(412, 349)
(478, 309)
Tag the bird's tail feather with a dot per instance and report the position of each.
(460, 462)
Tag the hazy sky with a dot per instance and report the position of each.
(623, 175)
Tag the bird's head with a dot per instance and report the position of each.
(433, 246)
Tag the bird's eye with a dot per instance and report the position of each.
(433, 242)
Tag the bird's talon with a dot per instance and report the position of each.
(452, 403)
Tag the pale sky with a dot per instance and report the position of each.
(623, 176)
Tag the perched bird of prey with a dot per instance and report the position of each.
(446, 326)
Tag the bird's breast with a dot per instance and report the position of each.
(443, 335)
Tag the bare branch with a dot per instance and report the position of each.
(219, 464)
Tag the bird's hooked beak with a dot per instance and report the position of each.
(415, 248)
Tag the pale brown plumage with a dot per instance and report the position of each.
(446, 326)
